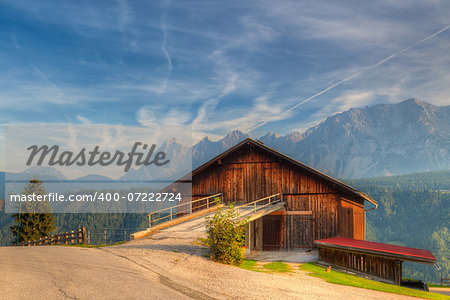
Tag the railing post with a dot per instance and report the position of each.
(171, 213)
(281, 197)
(207, 202)
(149, 221)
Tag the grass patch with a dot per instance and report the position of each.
(438, 285)
(278, 266)
(248, 264)
(273, 267)
(352, 280)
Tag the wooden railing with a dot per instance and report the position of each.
(66, 238)
(261, 203)
(174, 211)
(445, 281)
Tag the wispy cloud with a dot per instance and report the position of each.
(164, 49)
(83, 120)
(354, 75)
(58, 92)
(218, 66)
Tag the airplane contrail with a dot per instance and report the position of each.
(357, 74)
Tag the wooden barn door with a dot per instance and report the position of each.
(345, 219)
(302, 231)
(272, 233)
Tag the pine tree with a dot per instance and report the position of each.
(35, 219)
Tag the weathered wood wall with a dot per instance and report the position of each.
(379, 267)
(251, 173)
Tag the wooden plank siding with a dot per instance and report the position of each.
(251, 173)
(384, 269)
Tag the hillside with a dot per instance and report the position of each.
(414, 210)
(439, 181)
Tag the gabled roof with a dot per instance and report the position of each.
(249, 141)
(394, 251)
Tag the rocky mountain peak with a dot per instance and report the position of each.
(44, 171)
(233, 138)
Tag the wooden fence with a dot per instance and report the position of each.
(66, 238)
(445, 281)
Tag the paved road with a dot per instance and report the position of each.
(80, 273)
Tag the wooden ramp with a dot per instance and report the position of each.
(196, 227)
(193, 225)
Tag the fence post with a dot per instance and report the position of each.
(84, 235)
(170, 213)
(207, 202)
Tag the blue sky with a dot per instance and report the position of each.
(216, 65)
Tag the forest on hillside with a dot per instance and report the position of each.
(414, 211)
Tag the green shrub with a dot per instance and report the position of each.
(226, 236)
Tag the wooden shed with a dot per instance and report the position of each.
(317, 206)
(379, 261)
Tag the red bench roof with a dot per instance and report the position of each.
(378, 247)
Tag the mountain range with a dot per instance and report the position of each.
(380, 140)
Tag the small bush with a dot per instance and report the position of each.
(226, 236)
